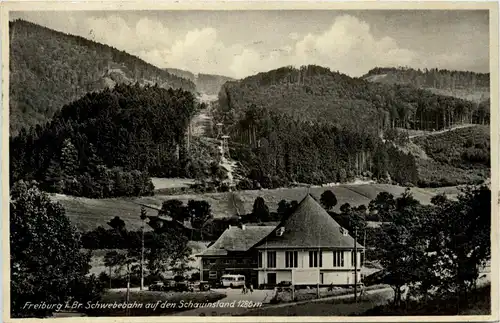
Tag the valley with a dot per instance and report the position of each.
(298, 182)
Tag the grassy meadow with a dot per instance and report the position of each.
(87, 214)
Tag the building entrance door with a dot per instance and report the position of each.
(271, 278)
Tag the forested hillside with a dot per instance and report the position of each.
(49, 69)
(284, 149)
(462, 84)
(455, 157)
(312, 125)
(182, 73)
(107, 143)
(205, 83)
(316, 93)
(211, 84)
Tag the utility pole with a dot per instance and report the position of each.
(128, 286)
(319, 272)
(355, 266)
(142, 257)
(143, 217)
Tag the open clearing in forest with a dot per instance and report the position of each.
(88, 214)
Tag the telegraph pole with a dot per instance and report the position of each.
(142, 257)
(143, 217)
(355, 266)
(127, 311)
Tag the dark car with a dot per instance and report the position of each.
(169, 285)
(157, 286)
(182, 286)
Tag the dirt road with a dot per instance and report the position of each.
(433, 133)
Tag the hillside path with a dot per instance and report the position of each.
(432, 133)
(202, 120)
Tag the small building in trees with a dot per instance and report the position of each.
(232, 253)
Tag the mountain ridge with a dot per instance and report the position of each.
(466, 85)
(65, 69)
(209, 84)
(286, 119)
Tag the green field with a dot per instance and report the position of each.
(87, 214)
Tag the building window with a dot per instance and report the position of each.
(315, 259)
(353, 257)
(291, 259)
(271, 259)
(227, 261)
(360, 259)
(206, 261)
(212, 275)
(212, 261)
(240, 261)
(338, 259)
(259, 260)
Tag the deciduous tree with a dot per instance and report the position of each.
(46, 257)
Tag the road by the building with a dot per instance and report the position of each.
(342, 305)
(242, 302)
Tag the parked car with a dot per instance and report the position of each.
(182, 286)
(285, 283)
(157, 286)
(169, 285)
(233, 280)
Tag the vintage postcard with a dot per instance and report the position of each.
(250, 161)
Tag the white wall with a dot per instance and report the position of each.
(283, 275)
(339, 277)
(310, 276)
(303, 274)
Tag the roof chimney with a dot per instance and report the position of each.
(243, 227)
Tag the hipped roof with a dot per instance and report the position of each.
(309, 226)
(237, 239)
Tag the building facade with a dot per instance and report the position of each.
(232, 253)
(308, 248)
(307, 266)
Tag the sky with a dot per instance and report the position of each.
(243, 43)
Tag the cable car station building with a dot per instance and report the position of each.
(308, 247)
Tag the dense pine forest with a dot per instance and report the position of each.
(119, 124)
(312, 125)
(455, 157)
(316, 93)
(470, 86)
(290, 150)
(181, 73)
(433, 78)
(108, 143)
(49, 69)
